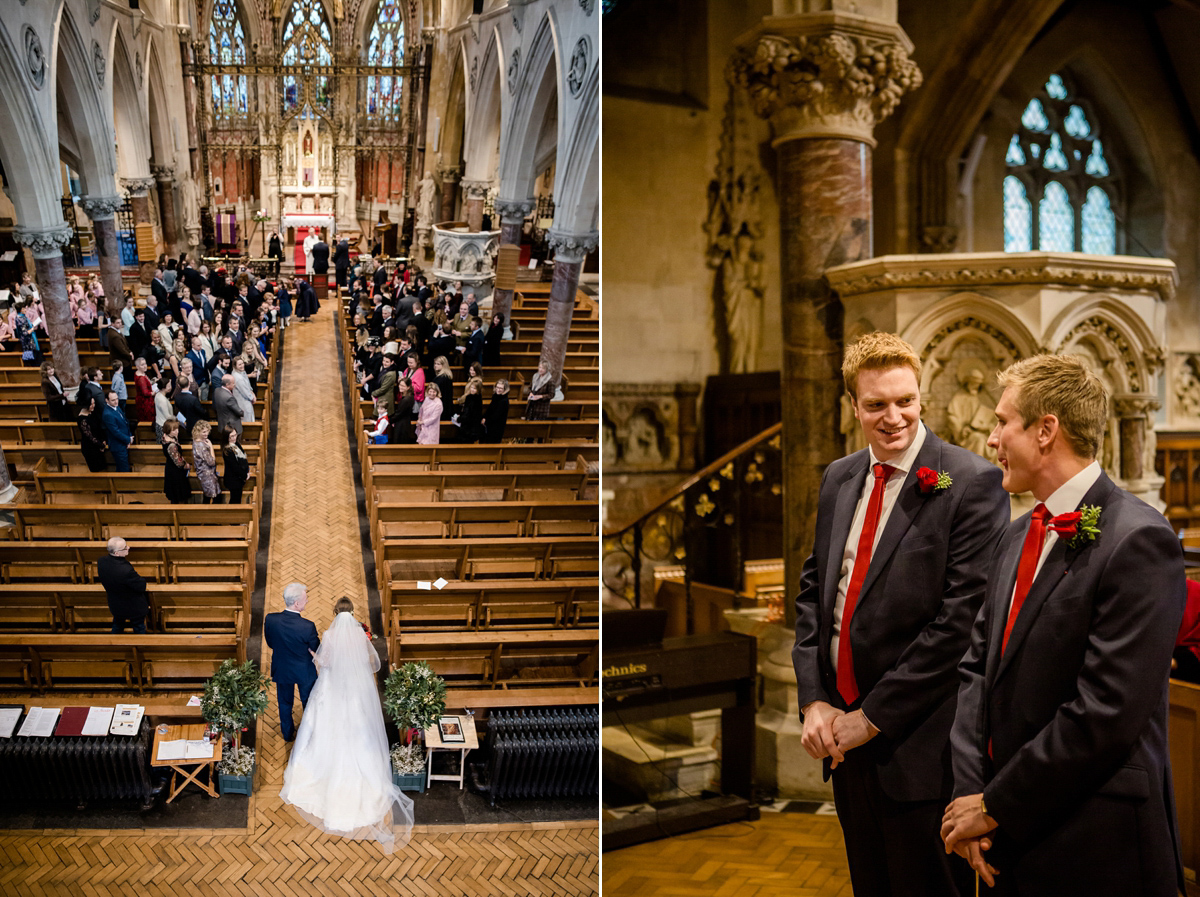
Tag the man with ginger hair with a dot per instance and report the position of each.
(905, 529)
(1062, 778)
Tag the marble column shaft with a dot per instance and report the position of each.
(52, 282)
(474, 214)
(110, 265)
(558, 317)
(449, 195)
(166, 209)
(825, 220)
(502, 297)
(141, 208)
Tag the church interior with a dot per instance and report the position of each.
(451, 140)
(987, 180)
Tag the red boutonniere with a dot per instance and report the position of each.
(930, 480)
(1077, 527)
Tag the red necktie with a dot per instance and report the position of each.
(846, 685)
(1030, 552)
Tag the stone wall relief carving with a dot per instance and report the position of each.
(639, 433)
(98, 62)
(1185, 388)
(959, 392)
(580, 60)
(35, 58)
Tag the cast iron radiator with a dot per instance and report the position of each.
(547, 752)
(78, 768)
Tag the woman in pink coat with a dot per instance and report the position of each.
(429, 421)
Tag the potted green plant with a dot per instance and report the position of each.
(234, 696)
(414, 696)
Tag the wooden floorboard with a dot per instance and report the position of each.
(780, 854)
(314, 540)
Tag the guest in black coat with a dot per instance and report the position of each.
(470, 414)
(275, 252)
(491, 342)
(320, 257)
(177, 484)
(341, 261)
(126, 590)
(495, 417)
(403, 432)
(187, 404)
(91, 435)
(237, 467)
(52, 389)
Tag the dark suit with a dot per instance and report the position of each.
(290, 637)
(908, 631)
(118, 436)
(159, 289)
(226, 408)
(341, 261)
(320, 257)
(1075, 709)
(126, 592)
(474, 348)
(189, 406)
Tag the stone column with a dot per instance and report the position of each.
(164, 177)
(189, 99)
(824, 80)
(476, 193)
(1134, 413)
(139, 199)
(46, 245)
(450, 178)
(569, 252)
(102, 210)
(512, 214)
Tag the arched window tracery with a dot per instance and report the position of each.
(307, 41)
(227, 46)
(385, 46)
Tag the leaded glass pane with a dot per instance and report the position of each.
(1076, 123)
(1097, 165)
(1056, 88)
(1055, 159)
(1018, 217)
(1034, 117)
(1035, 151)
(1015, 155)
(385, 46)
(1099, 223)
(227, 46)
(1056, 220)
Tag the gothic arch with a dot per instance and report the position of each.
(28, 152)
(485, 112)
(577, 187)
(450, 141)
(369, 12)
(85, 106)
(162, 144)
(251, 23)
(1133, 352)
(129, 118)
(539, 81)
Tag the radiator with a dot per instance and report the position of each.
(543, 753)
(79, 768)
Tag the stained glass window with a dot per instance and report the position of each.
(1061, 193)
(385, 46)
(1018, 217)
(227, 46)
(307, 41)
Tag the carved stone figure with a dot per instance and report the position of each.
(971, 413)
(425, 200)
(190, 193)
(851, 431)
(1187, 387)
(743, 277)
(641, 444)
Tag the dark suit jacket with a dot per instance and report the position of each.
(290, 636)
(194, 281)
(341, 255)
(126, 590)
(118, 347)
(1076, 708)
(320, 256)
(159, 289)
(116, 427)
(153, 315)
(913, 619)
(474, 347)
(191, 408)
(226, 407)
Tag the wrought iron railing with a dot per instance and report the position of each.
(709, 525)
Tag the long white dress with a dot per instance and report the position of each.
(339, 777)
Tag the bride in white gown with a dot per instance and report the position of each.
(339, 777)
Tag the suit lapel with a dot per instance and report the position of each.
(1054, 572)
(908, 503)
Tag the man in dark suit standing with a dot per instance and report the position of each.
(225, 404)
(189, 406)
(341, 261)
(1062, 778)
(293, 642)
(905, 528)
(116, 432)
(320, 265)
(126, 590)
(158, 289)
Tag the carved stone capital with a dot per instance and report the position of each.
(572, 248)
(1135, 406)
(137, 186)
(476, 189)
(825, 75)
(449, 173)
(184, 32)
(45, 242)
(101, 208)
(163, 174)
(513, 211)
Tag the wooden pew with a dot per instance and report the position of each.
(142, 458)
(530, 557)
(483, 485)
(453, 520)
(504, 456)
(114, 488)
(496, 604)
(174, 607)
(515, 659)
(162, 521)
(31, 431)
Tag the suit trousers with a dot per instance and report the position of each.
(138, 623)
(893, 847)
(285, 695)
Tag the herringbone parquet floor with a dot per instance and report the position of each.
(792, 854)
(314, 540)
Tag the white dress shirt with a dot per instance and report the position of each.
(903, 464)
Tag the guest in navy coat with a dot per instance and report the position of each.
(293, 641)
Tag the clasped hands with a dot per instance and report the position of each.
(964, 829)
(829, 732)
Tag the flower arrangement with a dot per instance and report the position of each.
(930, 480)
(408, 759)
(233, 698)
(260, 215)
(414, 696)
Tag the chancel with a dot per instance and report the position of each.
(233, 237)
(987, 183)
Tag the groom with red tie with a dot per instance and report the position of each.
(1062, 779)
(905, 529)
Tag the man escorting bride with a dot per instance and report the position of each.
(339, 777)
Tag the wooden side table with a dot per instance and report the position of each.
(189, 769)
(433, 742)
